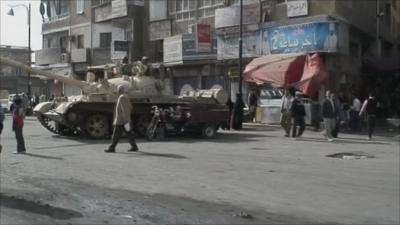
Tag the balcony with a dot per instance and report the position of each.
(80, 55)
(101, 56)
(48, 56)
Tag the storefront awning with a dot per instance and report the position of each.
(305, 72)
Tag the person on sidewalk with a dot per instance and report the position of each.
(122, 121)
(298, 113)
(18, 125)
(328, 115)
(252, 100)
(286, 118)
(2, 117)
(355, 108)
(339, 115)
(370, 107)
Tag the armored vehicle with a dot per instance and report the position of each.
(91, 113)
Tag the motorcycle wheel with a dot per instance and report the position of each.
(151, 130)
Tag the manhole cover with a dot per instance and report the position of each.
(350, 155)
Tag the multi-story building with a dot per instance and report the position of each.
(353, 23)
(15, 80)
(80, 33)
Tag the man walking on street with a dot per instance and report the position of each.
(328, 114)
(122, 121)
(370, 107)
(18, 124)
(298, 113)
(354, 114)
(286, 118)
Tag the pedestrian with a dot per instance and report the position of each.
(18, 125)
(328, 115)
(339, 115)
(2, 117)
(253, 99)
(286, 118)
(122, 121)
(298, 113)
(370, 107)
(354, 114)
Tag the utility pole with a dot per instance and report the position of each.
(378, 18)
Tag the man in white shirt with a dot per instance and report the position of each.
(354, 114)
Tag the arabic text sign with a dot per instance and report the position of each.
(312, 37)
(203, 37)
(228, 46)
(297, 8)
(230, 16)
(173, 49)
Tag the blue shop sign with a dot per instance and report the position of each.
(311, 37)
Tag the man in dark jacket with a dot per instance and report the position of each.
(329, 115)
(1, 123)
(370, 107)
(298, 112)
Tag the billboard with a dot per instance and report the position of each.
(228, 46)
(310, 37)
(297, 8)
(230, 16)
(203, 37)
(173, 49)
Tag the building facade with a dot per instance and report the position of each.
(15, 80)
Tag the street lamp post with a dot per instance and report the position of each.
(28, 10)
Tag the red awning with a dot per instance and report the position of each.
(306, 72)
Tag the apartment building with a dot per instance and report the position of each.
(82, 33)
(352, 22)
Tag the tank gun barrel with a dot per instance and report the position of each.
(16, 64)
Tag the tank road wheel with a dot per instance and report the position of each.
(141, 124)
(97, 126)
(209, 130)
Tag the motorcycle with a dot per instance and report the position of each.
(165, 120)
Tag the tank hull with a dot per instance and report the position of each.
(94, 119)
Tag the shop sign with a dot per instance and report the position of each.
(230, 16)
(310, 37)
(119, 8)
(121, 46)
(228, 46)
(203, 37)
(297, 8)
(173, 49)
(160, 30)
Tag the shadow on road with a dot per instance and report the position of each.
(37, 208)
(164, 155)
(43, 156)
(345, 141)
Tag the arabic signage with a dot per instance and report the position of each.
(203, 37)
(183, 47)
(173, 49)
(159, 30)
(121, 46)
(311, 37)
(230, 16)
(228, 46)
(297, 8)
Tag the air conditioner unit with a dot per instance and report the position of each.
(65, 58)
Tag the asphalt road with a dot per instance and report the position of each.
(246, 177)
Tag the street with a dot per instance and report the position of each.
(239, 177)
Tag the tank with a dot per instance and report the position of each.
(91, 113)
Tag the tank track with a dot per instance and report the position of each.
(47, 123)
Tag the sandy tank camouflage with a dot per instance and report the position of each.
(91, 113)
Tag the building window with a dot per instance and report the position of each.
(185, 9)
(63, 44)
(49, 43)
(80, 6)
(105, 40)
(207, 7)
(81, 41)
(101, 2)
